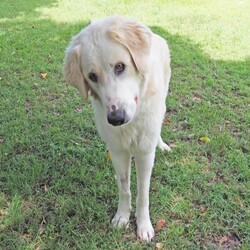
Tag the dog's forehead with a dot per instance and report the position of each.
(99, 50)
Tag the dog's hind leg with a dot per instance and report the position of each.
(122, 162)
(163, 146)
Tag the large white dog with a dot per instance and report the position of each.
(126, 70)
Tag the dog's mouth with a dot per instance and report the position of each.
(117, 117)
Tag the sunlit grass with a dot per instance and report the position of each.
(216, 25)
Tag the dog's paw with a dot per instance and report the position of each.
(145, 231)
(120, 221)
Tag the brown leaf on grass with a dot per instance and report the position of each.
(205, 170)
(102, 232)
(228, 242)
(197, 97)
(26, 236)
(68, 162)
(223, 240)
(237, 199)
(3, 212)
(173, 215)
(159, 245)
(44, 75)
(109, 155)
(46, 185)
(203, 209)
(161, 222)
(166, 122)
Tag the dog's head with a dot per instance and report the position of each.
(109, 59)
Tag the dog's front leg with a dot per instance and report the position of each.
(122, 162)
(144, 165)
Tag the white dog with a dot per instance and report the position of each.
(126, 70)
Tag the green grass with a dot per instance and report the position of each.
(57, 187)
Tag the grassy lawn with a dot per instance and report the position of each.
(57, 185)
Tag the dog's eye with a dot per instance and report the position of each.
(119, 68)
(93, 77)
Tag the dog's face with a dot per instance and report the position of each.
(112, 77)
(110, 61)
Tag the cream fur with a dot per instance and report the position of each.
(140, 91)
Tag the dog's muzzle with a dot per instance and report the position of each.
(116, 117)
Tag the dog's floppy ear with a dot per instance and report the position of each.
(136, 38)
(72, 69)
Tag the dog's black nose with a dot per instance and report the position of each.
(116, 117)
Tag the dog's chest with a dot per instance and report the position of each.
(139, 135)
